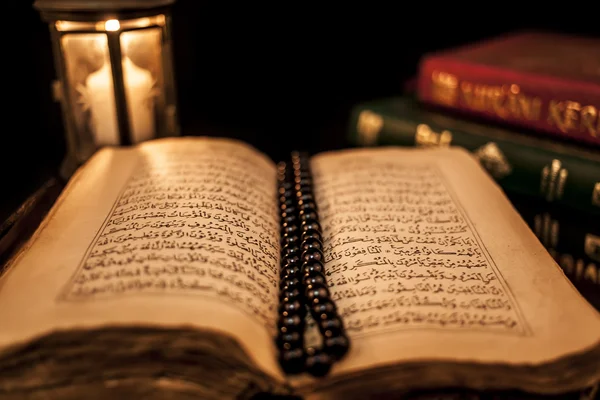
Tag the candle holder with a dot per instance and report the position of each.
(115, 83)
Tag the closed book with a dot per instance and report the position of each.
(555, 172)
(546, 82)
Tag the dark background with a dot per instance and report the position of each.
(279, 77)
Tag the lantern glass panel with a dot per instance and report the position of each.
(90, 89)
(91, 82)
(144, 81)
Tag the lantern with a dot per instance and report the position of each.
(115, 73)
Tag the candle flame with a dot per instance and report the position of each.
(112, 25)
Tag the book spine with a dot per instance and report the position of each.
(558, 107)
(550, 173)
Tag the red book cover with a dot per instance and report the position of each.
(542, 81)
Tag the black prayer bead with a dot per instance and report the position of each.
(312, 255)
(290, 250)
(317, 295)
(293, 339)
(292, 361)
(311, 235)
(313, 268)
(288, 218)
(333, 325)
(308, 215)
(287, 274)
(292, 307)
(314, 281)
(336, 346)
(310, 244)
(319, 364)
(285, 214)
(287, 192)
(291, 271)
(289, 238)
(324, 310)
(310, 226)
(291, 294)
(291, 261)
(289, 228)
(306, 197)
(304, 182)
(302, 172)
(285, 185)
(290, 209)
(292, 323)
(289, 284)
(310, 205)
(287, 202)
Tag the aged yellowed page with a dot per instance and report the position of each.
(175, 233)
(428, 261)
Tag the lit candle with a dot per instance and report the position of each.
(101, 101)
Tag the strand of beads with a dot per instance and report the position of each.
(316, 294)
(292, 310)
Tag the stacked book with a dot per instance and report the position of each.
(527, 107)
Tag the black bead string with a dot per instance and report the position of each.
(292, 309)
(316, 294)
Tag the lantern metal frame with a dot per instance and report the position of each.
(95, 12)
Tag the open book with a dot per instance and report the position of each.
(157, 271)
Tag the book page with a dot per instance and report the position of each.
(427, 260)
(173, 233)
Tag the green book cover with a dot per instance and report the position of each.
(534, 166)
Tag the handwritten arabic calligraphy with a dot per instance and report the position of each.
(399, 253)
(190, 223)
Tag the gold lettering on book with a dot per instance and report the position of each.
(590, 122)
(425, 136)
(596, 195)
(368, 127)
(509, 102)
(554, 178)
(400, 253)
(564, 114)
(444, 88)
(592, 246)
(570, 116)
(493, 160)
(504, 101)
